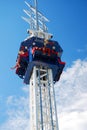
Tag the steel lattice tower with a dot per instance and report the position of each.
(43, 111)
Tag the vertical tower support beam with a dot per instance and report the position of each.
(43, 112)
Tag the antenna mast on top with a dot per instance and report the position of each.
(36, 9)
(36, 21)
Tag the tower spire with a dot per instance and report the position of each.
(37, 21)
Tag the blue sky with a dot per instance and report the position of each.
(68, 24)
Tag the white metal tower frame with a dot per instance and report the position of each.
(43, 113)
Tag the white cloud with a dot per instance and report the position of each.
(81, 50)
(26, 89)
(16, 124)
(71, 95)
(74, 114)
(18, 113)
(73, 120)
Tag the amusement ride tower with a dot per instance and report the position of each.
(39, 64)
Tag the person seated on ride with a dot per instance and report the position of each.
(22, 61)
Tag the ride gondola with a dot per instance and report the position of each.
(36, 51)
